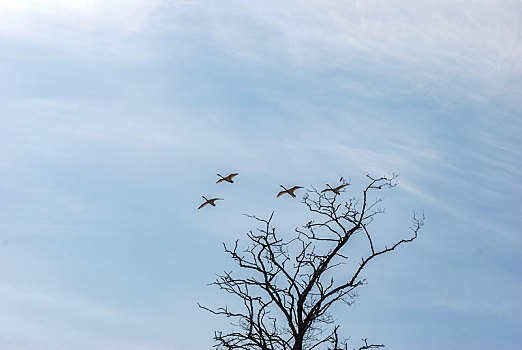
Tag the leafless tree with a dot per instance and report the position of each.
(288, 285)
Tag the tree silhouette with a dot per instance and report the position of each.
(288, 285)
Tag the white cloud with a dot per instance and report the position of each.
(471, 47)
(435, 41)
(92, 29)
(25, 17)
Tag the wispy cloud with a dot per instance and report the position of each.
(91, 30)
(439, 44)
(472, 47)
(57, 302)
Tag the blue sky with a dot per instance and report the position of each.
(115, 117)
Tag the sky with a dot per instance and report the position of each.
(115, 117)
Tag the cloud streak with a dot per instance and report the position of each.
(469, 47)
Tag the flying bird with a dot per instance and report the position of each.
(336, 190)
(227, 178)
(210, 201)
(289, 191)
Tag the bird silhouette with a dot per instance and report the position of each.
(289, 191)
(336, 190)
(210, 201)
(227, 178)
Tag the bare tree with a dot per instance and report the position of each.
(288, 285)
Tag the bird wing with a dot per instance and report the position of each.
(202, 205)
(233, 175)
(342, 186)
(326, 190)
(220, 180)
(281, 193)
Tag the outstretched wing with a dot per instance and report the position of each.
(220, 180)
(281, 193)
(326, 190)
(213, 201)
(231, 176)
(202, 205)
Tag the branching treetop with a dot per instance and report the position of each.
(291, 284)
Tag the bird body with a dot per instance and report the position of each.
(289, 191)
(211, 201)
(336, 190)
(227, 178)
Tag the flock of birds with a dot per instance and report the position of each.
(289, 191)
